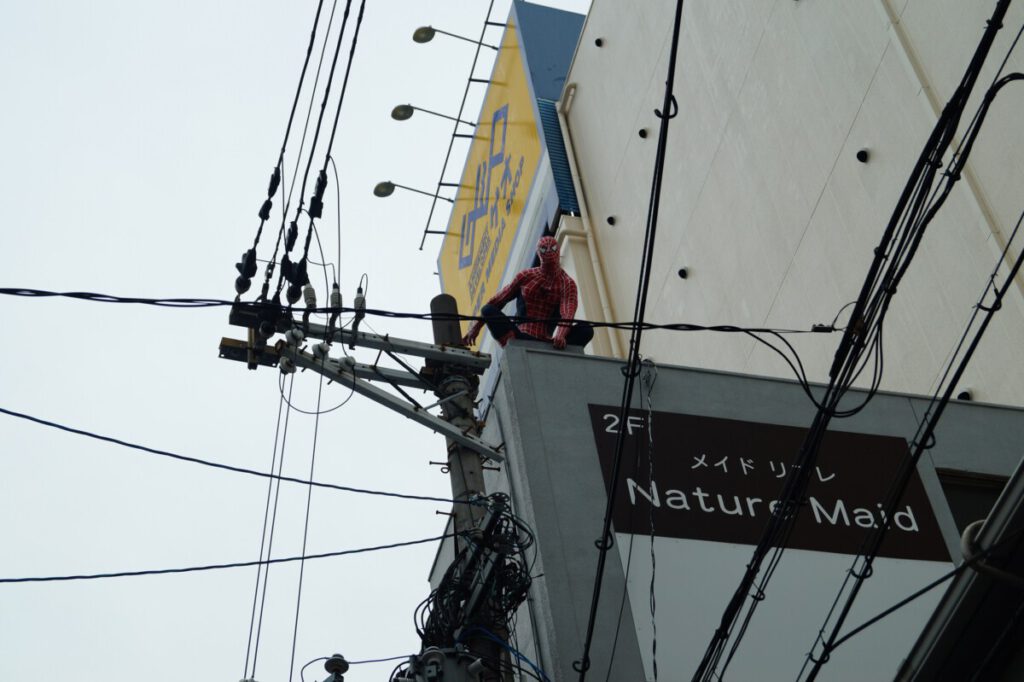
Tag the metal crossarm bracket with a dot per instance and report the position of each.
(342, 373)
(478, 362)
(281, 322)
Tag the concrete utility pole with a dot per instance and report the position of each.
(452, 373)
(457, 389)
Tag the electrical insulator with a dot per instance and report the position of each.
(242, 284)
(246, 266)
(265, 209)
(316, 202)
(320, 350)
(309, 294)
(335, 305)
(286, 366)
(291, 236)
(360, 307)
(321, 184)
(294, 336)
(266, 329)
(316, 207)
(275, 180)
(360, 303)
(293, 293)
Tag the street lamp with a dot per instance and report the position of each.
(424, 34)
(387, 188)
(403, 112)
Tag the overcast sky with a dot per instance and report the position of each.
(137, 141)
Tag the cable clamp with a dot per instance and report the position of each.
(868, 571)
(673, 107)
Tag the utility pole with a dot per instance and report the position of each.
(466, 632)
(457, 389)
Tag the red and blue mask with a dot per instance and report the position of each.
(547, 251)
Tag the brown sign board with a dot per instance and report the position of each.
(716, 479)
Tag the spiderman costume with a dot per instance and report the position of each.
(546, 294)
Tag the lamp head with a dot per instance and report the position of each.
(424, 34)
(384, 189)
(403, 112)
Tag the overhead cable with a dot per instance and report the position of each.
(220, 567)
(286, 206)
(247, 266)
(273, 526)
(376, 312)
(669, 110)
(316, 202)
(263, 538)
(227, 467)
(295, 272)
(305, 526)
(923, 440)
(862, 338)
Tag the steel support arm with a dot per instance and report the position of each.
(429, 351)
(342, 374)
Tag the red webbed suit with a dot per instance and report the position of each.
(548, 293)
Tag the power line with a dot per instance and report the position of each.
(316, 203)
(305, 527)
(323, 105)
(862, 339)
(273, 527)
(927, 588)
(296, 272)
(263, 538)
(227, 467)
(302, 145)
(275, 178)
(219, 567)
(792, 360)
(670, 109)
(923, 440)
(377, 312)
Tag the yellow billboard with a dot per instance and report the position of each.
(499, 171)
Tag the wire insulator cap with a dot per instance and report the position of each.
(316, 207)
(265, 209)
(336, 664)
(275, 180)
(293, 234)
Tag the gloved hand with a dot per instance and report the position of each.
(470, 338)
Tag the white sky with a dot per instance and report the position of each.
(137, 141)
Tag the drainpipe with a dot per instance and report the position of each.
(564, 105)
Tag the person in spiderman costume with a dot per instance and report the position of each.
(544, 294)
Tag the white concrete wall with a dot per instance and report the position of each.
(764, 201)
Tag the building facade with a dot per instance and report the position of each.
(798, 124)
